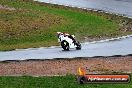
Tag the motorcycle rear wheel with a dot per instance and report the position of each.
(78, 46)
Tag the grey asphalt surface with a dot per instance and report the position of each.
(118, 46)
(122, 46)
(123, 7)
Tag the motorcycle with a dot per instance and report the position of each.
(68, 43)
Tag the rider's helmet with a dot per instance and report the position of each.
(58, 32)
(66, 34)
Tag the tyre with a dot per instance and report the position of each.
(78, 46)
(65, 45)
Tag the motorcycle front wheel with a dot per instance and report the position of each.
(65, 45)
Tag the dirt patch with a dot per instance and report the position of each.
(67, 66)
(7, 8)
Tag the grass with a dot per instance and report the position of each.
(68, 81)
(34, 24)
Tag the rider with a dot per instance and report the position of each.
(69, 36)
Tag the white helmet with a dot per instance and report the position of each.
(58, 32)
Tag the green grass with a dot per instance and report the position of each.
(68, 81)
(35, 24)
